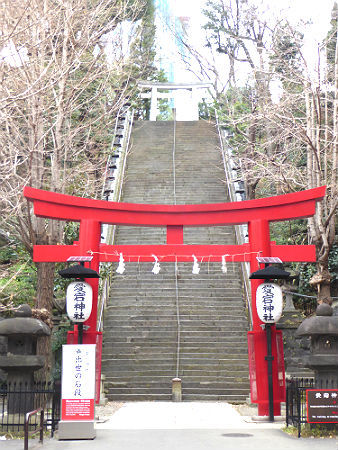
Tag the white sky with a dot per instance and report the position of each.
(318, 11)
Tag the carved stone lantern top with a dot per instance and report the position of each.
(24, 324)
(323, 323)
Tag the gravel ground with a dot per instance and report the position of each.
(246, 409)
(102, 413)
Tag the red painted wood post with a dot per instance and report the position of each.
(260, 245)
(89, 241)
(259, 238)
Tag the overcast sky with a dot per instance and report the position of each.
(316, 11)
(319, 11)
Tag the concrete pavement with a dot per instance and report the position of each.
(181, 426)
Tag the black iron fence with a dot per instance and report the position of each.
(296, 413)
(18, 399)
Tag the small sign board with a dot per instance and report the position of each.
(269, 302)
(322, 405)
(78, 382)
(80, 258)
(269, 260)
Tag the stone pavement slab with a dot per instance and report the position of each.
(180, 426)
(184, 415)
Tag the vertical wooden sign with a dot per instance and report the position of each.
(78, 382)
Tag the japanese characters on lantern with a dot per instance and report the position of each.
(79, 300)
(269, 302)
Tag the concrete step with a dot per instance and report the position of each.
(140, 338)
(161, 347)
(149, 373)
(166, 397)
(191, 382)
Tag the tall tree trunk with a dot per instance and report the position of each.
(45, 285)
(44, 300)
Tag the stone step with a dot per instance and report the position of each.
(217, 358)
(149, 373)
(190, 397)
(204, 291)
(167, 312)
(222, 391)
(147, 300)
(186, 336)
(209, 330)
(185, 321)
(227, 341)
(183, 282)
(139, 397)
(186, 382)
(234, 397)
(209, 347)
(140, 337)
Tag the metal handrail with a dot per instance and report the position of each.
(112, 229)
(111, 147)
(178, 351)
(178, 319)
(238, 228)
(40, 429)
(173, 157)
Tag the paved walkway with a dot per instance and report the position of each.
(181, 426)
(178, 416)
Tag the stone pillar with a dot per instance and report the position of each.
(153, 104)
(194, 104)
(176, 390)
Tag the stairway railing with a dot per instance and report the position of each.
(178, 350)
(173, 157)
(116, 192)
(240, 230)
(178, 320)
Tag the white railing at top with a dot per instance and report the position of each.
(240, 230)
(116, 197)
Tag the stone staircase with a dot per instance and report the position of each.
(141, 321)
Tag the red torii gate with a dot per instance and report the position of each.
(256, 213)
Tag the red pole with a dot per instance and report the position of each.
(259, 238)
(89, 240)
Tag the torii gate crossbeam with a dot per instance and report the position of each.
(256, 213)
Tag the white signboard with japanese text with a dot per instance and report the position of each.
(78, 382)
(269, 302)
(79, 300)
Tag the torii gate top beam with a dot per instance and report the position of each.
(172, 86)
(65, 207)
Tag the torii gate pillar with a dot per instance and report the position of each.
(256, 213)
(90, 237)
(259, 238)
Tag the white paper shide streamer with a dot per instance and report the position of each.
(224, 264)
(156, 269)
(121, 267)
(195, 267)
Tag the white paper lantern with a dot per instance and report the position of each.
(79, 299)
(269, 302)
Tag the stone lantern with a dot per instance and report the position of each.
(323, 359)
(20, 361)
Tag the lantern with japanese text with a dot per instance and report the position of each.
(269, 302)
(79, 300)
